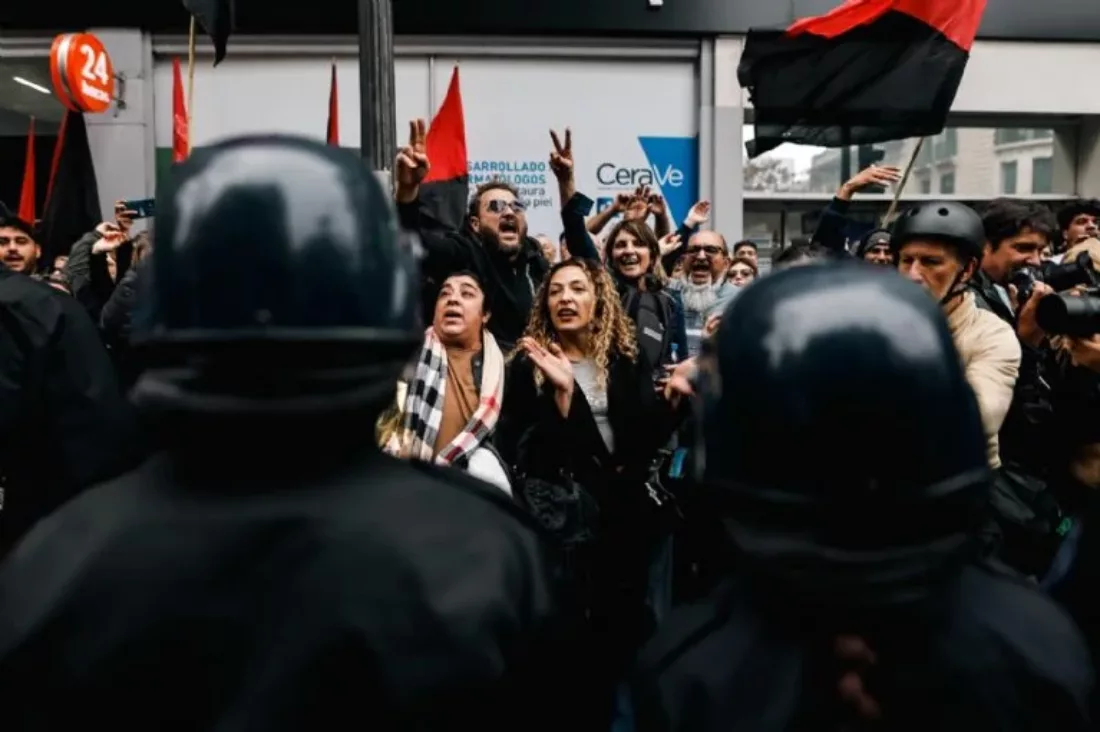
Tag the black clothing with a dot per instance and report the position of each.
(63, 422)
(289, 579)
(613, 572)
(879, 544)
(89, 276)
(988, 655)
(115, 322)
(359, 593)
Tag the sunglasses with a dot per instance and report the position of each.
(499, 206)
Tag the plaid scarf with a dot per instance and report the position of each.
(424, 401)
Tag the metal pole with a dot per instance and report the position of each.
(376, 94)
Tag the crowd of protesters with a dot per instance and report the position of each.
(567, 380)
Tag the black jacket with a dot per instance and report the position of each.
(987, 654)
(536, 440)
(89, 277)
(63, 421)
(115, 323)
(268, 583)
(613, 574)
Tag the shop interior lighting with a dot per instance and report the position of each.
(30, 84)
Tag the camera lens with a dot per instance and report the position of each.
(1077, 317)
(1070, 274)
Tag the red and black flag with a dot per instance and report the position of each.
(869, 71)
(216, 18)
(332, 134)
(444, 192)
(72, 197)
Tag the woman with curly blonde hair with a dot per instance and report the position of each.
(581, 411)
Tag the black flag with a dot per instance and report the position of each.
(72, 202)
(216, 18)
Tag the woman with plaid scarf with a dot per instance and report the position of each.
(449, 409)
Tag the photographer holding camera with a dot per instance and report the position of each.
(1010, 283)
(1050, 440)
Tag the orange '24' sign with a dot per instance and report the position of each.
(82, 74)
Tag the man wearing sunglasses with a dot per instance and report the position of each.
(493, 241)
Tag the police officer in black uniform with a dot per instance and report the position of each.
(64, 422)
(859, 595)
(270, 569)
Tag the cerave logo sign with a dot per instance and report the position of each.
(82, 74)
(671, 167)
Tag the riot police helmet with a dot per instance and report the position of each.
(283, 244)
(839, 431)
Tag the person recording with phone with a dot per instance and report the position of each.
(101, 258)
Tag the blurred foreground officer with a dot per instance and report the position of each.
(270, 569)
(64, 423)
(860, 599)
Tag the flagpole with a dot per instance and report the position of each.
(901, 184)
(377, 123)
(190, 82)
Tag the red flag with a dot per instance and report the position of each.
(26, 196)
(181, 138)
(446, 142)
(957, 20)
(332, 136)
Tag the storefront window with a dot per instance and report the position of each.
(972, 162)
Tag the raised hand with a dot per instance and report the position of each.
(111, 238)
(883, 175)
(638, 208)
(551, 362)
(656, 204)
(669, 243)
(124, 217)
(412, 164)
(561, 157)
(698, 215)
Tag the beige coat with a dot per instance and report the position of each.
(991, 357)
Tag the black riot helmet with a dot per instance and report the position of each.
(943, 221)
(278, 245)
(808, 363)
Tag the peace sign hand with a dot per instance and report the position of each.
(561, 158)
(412, 164)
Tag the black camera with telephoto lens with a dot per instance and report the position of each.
(1060, 277)
(1076, 316)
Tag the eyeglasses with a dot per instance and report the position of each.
(499, 206)
(709, 249)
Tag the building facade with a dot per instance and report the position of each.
(651, 95)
